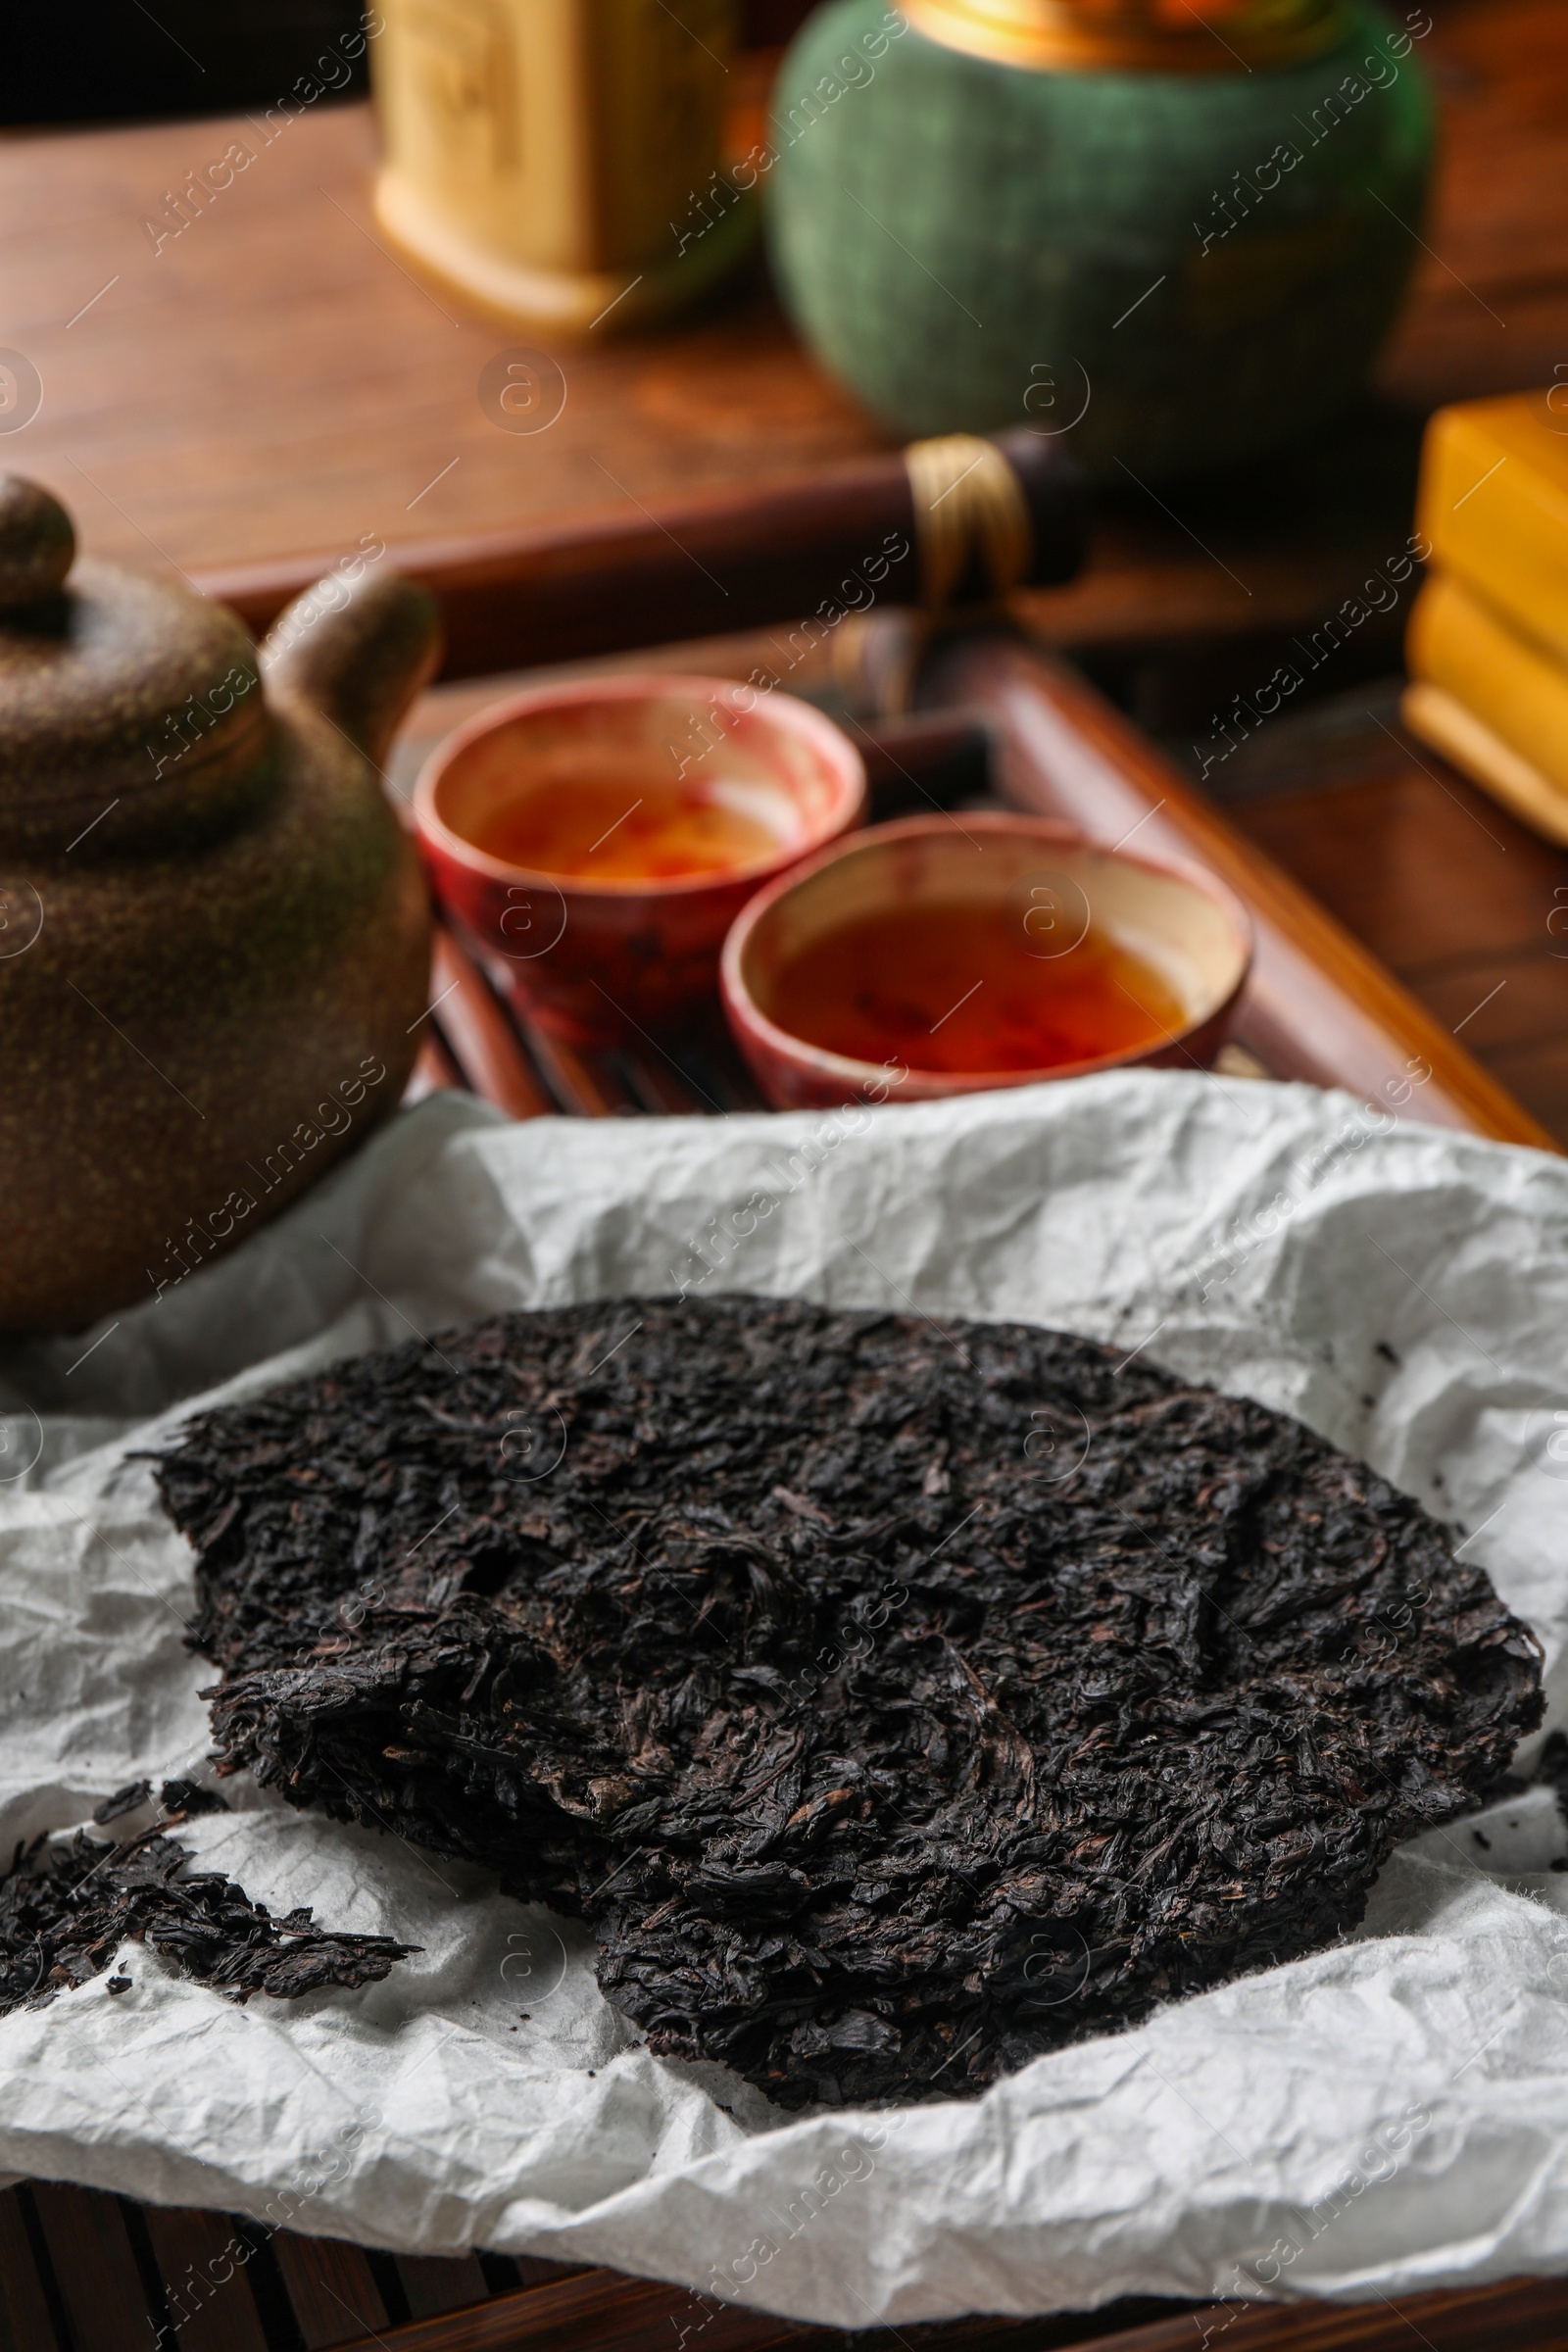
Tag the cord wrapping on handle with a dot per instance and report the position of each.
(969, 506)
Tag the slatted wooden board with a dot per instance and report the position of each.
(82, 2271)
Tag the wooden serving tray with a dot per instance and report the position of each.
(84, 2271)
(997, 719)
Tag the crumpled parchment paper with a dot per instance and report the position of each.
(1389, 2114)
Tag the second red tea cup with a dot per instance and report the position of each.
(987, 949)
(602, 836)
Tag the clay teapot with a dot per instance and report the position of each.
(214, 930)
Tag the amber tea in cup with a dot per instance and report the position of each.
(948, 986)
(975, 952)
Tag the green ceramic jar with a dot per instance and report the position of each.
(1179, 268)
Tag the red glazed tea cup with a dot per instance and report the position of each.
(1045, 887)
(596, 961)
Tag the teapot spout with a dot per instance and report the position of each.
(358, 649)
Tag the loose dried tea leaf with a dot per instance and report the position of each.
(65, 1911)
(896, 1702)
(190, 1797)
(181, 1797)
(123, 1801)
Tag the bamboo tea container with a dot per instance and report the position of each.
(553, 162)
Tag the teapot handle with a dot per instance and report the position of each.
(356, 650)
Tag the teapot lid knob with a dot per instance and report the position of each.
(37, 543)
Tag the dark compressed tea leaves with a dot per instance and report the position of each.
(896, 1702)
(66, 1910)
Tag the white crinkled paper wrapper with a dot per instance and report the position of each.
(1392, 2113)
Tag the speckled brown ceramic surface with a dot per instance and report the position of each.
(214, 932)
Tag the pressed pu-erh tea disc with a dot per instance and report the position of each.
(896, 1700)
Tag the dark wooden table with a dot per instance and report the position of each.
(272, 383)
(1461, 903)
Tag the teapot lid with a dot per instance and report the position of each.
(110, 683)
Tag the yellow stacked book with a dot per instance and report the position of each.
(1488, 644)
